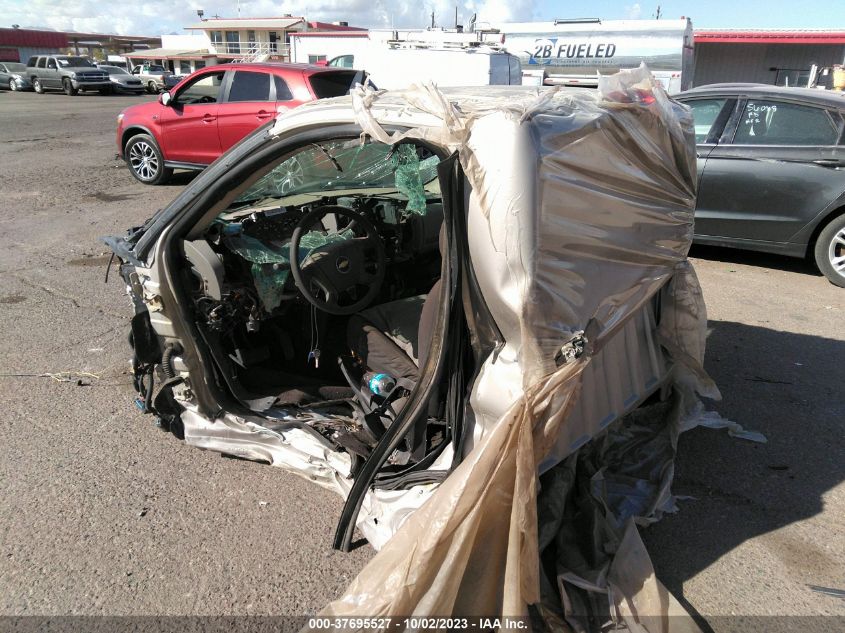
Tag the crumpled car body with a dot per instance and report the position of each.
(516, 258)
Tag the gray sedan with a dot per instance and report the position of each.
(13, 76)
(771, 171)
(122, 82)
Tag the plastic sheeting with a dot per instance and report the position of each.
(411, 176)
(588, 509)
(590, 198)
(473, 548)
(271, 262)
(270, 267)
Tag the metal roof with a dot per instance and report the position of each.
(61, 39)
(168, 53)
(331, 26)
(349, 33)
(770, 36)
(33, 37)
(213, 24)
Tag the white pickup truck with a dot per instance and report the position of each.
(154, 77)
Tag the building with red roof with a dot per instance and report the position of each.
(768, 56)
(18, 44)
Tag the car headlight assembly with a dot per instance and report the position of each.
(120, 117)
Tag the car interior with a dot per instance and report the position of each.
(317, 288)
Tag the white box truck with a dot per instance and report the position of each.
(392, 66)
(397, 59)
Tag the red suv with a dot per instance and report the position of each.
(212, 109)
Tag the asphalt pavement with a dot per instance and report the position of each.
(102, 513)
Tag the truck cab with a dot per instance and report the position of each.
(152, 76)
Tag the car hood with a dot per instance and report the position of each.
(141, 112)
(82, 69)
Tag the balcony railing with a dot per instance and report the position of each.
(251, 51)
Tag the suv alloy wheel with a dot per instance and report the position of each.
(67, 86)
(145, 160)
(36, 85)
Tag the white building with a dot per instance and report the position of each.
(250, 38)
(222, 40)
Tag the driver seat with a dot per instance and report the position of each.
(394, 338)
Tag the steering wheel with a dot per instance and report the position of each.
(343, 275)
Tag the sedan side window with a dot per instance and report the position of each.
(203, 89)
(344, 61)
(249, 86)
(779, 123)
(704, 114)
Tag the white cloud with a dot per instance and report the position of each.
(633, 12)
(154, 17)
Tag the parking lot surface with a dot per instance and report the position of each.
(101, 513)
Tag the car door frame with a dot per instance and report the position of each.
(269, 111)
(292, 101)
(51, 78)
(167, 118)
(214, 397)
(723, 122)
(230, 73)
(796, 243)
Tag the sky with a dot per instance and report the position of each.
(156, 17)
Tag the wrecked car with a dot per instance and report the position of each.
(423, 300)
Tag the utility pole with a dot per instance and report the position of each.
(456, 16)
(432, 19)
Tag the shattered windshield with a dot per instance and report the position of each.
(350, 165)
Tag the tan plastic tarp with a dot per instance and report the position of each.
(472, 548)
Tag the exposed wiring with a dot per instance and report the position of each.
(314, 351)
